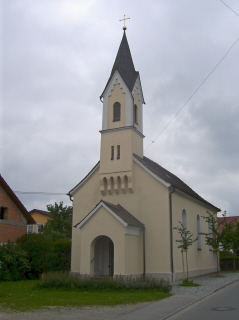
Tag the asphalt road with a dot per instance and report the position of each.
(222, 305)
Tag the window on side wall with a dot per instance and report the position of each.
(3, 213)
(210, 234)
(199, 243)
(40, 227)
(184, 218)
(30, 228)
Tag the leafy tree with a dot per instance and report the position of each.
(213, 237)
(14, 264)
(230, 238)
(186, 240)
(60, 226)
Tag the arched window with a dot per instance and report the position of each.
(198, 233)
(119, 184)
(105, 185)
(184, 218)
(135, 114)
(210, 233)
(116, 111)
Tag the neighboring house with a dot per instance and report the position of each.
(41, 217)
(126, 207)
(14, 217)
(228, 220)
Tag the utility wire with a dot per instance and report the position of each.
(193, 94)
(41, 193)
(230, 8)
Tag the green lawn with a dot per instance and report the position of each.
(25, 295)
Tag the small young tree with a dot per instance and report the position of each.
(213, 237)
(186, 240)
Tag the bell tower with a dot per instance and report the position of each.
(122, 124)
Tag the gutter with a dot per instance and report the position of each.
(70, 196)
(144, 258)
(171, 231)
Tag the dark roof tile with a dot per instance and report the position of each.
(124, 65)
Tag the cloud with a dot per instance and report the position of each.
(57, 58)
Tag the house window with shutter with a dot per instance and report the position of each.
(116, 111)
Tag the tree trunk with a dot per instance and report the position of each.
(187, 262)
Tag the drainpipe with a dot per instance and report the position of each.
(171, 230)
(144, 259)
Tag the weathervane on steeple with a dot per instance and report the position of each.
(124, 27)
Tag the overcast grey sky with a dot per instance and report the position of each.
(57, 58)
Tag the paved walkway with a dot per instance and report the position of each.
(159, 310)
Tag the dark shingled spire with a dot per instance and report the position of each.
(124, 65)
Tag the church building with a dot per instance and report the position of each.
(125, 208)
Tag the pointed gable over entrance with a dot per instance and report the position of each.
(121, 214)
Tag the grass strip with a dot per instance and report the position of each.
(27, 296)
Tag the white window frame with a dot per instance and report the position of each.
(30, 228)
(40, 226)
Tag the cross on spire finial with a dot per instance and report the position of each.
(124, 27)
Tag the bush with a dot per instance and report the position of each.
(189, 283)
(45, 255)
(62, 255)
(14, 264)
(63, 280)
(39, 252)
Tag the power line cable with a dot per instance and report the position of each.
(41, 193)
(193, 94)
(230, 8)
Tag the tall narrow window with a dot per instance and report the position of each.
(112, 152)
(184, 218)
(198, 233)
(135, 114)
(210, 234)
(116, 111)
(118, 152)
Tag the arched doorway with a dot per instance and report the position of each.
(104, 257)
